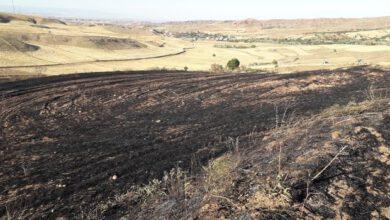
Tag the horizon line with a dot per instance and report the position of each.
(123, 19)
(111, 16)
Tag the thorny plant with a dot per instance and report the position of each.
(233, 144)
(373, 94)
(284, 113)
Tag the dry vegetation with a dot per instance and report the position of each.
(27, 42)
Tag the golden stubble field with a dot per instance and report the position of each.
(75, 48)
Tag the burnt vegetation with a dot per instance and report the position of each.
(174, 145)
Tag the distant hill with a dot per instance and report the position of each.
(332, 24)
(364, 23)
(8, 17)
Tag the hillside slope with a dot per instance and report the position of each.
(8, 17)
(194, 145)
(324, 24)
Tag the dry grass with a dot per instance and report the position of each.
(218, 174)
(268, 201)
(178, 194)
(69, 44)
(353, 108)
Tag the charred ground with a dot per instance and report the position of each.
(64, 137)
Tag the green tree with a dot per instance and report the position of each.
(233, 64)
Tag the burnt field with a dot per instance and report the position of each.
(63, 138)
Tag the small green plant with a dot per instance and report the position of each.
(275, 63)
(186, 68)
(233, 64)
(214, 55)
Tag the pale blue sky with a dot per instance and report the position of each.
(167, 10)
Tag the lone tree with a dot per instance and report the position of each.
(233, 64)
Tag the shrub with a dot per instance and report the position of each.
(219, 174)
(245, 69)
(275, 62)
(186, 68)
(233, 64)
(216, 68)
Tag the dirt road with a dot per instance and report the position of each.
(184, 50)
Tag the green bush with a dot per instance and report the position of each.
(233, 64)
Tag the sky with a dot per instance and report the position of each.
(183, 10)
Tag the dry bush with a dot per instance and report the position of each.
(244, 69)
(264, 199)
(172, 185)
(216, 68)
(218, 174)
(376, 94)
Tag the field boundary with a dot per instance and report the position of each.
(184, 50)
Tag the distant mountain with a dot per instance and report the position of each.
(325, 24)
(106, 17)
(364, 23)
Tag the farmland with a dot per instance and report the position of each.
(65, 137)
(52, 47)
